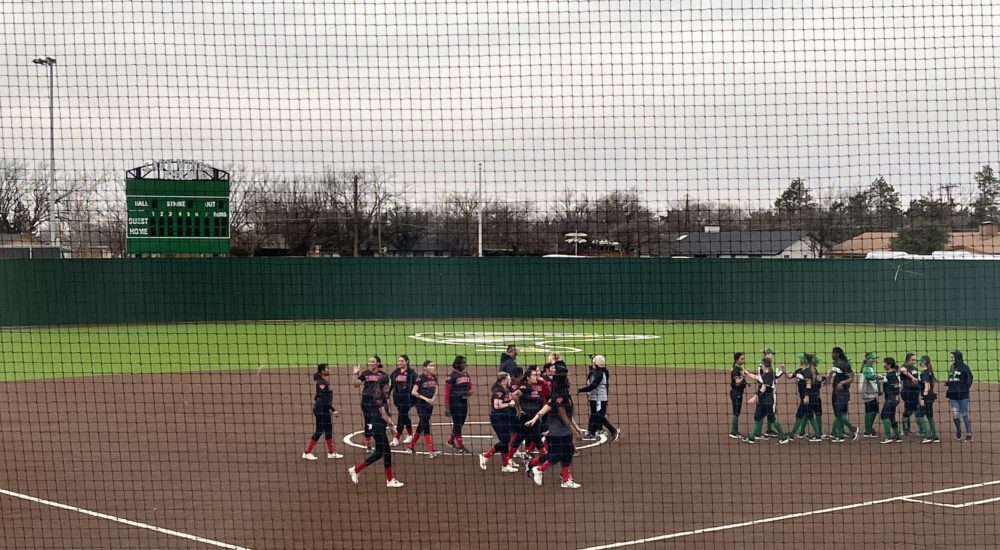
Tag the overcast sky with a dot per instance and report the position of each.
(709, 99)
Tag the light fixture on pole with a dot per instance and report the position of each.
(576, 239)
(50, 63)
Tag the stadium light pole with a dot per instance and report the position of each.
(50, 64)
(479, 177)
(576, 239)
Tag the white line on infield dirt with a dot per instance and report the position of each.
(121, 520)
(773, 519)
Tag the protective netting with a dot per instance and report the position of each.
(745, 250)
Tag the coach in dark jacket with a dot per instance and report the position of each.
(508, 360)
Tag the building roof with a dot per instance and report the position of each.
(980, 241)
(736, 243)
(860, 246)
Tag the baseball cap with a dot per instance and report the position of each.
(767, 351)
(599, 360)
(871, 355)
(802, 358)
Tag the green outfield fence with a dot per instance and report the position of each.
(53, 292)
(218, 218)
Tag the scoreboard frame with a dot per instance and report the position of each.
(177, 216)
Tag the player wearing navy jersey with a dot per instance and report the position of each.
(764, 398)
(528, 396)
(457, 390)
(323, 410)
(502, 418)
(925, 413)
(842, 376)
(909, 377)
(890, 389)
(737, 385)
(424, 393)
(372, 381)
(814, 382)
(803, 414)
(401, 387)
(378, 421)
(562, 426)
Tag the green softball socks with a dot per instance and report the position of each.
(837, 431)
(887, 429)
(735, 429)
(870, 423)
(800, 424)
(817, 425)
(922, 425)
(757, 426)
(847, 424)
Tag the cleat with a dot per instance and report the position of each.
(452, 444)
(308, 456)
(801, 436)
(354, 475)
(837, 440)
(569, 484)
(483, 462)
(734, 436)
(409, 438)
(855, 438)
(826, 436)
(407, 451)
(509, 469)
(749, 440)
(968, 438)
(462, 450)
(618, 434)
(589, 437)
(394, 442)
(784, 440)
(871, 434)
(536, 476)
(521, 455)
(815, 439)
(394, 483)
(884, 441)
(898, 439)
(334, 455)
(433, 454)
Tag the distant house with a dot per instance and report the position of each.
(25, 246)
(745, 244)
(981, 241)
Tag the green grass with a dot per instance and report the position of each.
(31, 353)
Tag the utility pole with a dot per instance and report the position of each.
(480, 176)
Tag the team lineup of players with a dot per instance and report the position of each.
(531, 407)
(914, 383)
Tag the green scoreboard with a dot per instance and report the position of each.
(177, 207)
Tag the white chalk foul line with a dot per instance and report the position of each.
(909, 498)
(121, 520)
(602, 438)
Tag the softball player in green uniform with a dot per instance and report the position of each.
(890, 388)
(765, 404)
(925, 413)
(842, 375)
(869, 393)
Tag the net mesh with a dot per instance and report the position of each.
(623, 205)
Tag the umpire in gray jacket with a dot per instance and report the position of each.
(597, 394)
